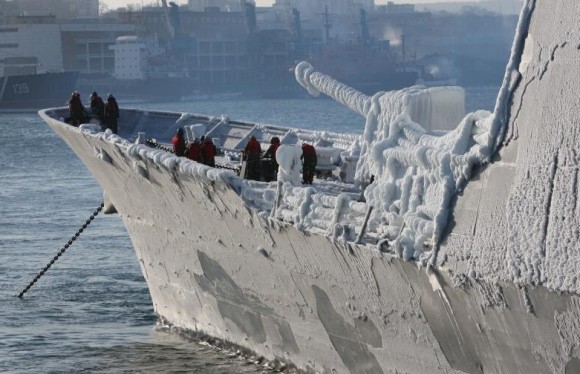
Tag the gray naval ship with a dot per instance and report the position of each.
(25, 89)
(35, 91)
(447, 252)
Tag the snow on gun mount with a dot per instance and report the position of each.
(415, 170)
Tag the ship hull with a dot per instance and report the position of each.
(215, 267)
(35, 91)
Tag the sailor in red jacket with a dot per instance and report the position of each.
(97, 107)
(252, 157)
(178, 143)
(208, 152)
(76, 109)
(309, 161)
(111, 113)
(193, 151)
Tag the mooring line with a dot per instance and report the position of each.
(62, 250)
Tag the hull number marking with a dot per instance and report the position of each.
(20, 88)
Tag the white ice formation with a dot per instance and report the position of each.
(288, 158)
(414, 171)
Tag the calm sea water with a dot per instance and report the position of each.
(92, 311)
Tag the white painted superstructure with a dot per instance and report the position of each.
(132, 56)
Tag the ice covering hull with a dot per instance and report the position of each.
(318, 303)
(518, 219)
(489, 304)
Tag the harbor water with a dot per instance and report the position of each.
(91, 312)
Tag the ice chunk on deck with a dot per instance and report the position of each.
(288, 158)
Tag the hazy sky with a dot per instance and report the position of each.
(118, 3)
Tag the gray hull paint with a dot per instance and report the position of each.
(35, 91)
(317, 303)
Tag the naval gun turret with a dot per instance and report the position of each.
(417, 150)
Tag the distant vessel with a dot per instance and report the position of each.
(153, 88)
(451, 252)
(366, 64)
(143, 71)
(368, 71)
(22, 88)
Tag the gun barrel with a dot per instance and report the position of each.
(316, 83)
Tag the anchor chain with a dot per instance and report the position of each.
(62, 250)
(153, 143)
(222, 166)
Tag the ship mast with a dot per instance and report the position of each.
(403, 48)
(327, 24)
(298, 32)
(168, 25)
(365, 35)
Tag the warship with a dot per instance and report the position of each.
(35, 91)
(419, 251)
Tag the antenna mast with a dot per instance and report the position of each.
(327, 24)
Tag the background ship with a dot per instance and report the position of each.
(362, 68)
(366, 63)
(21, 88)
(161, 88)
(144, 70)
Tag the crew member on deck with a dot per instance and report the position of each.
(97, 107)
(271, 154)
(111, 114)
(178, 143)
(309, 161)
(193, 150)
(76, 109)
(208, 152)
(252, 157)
